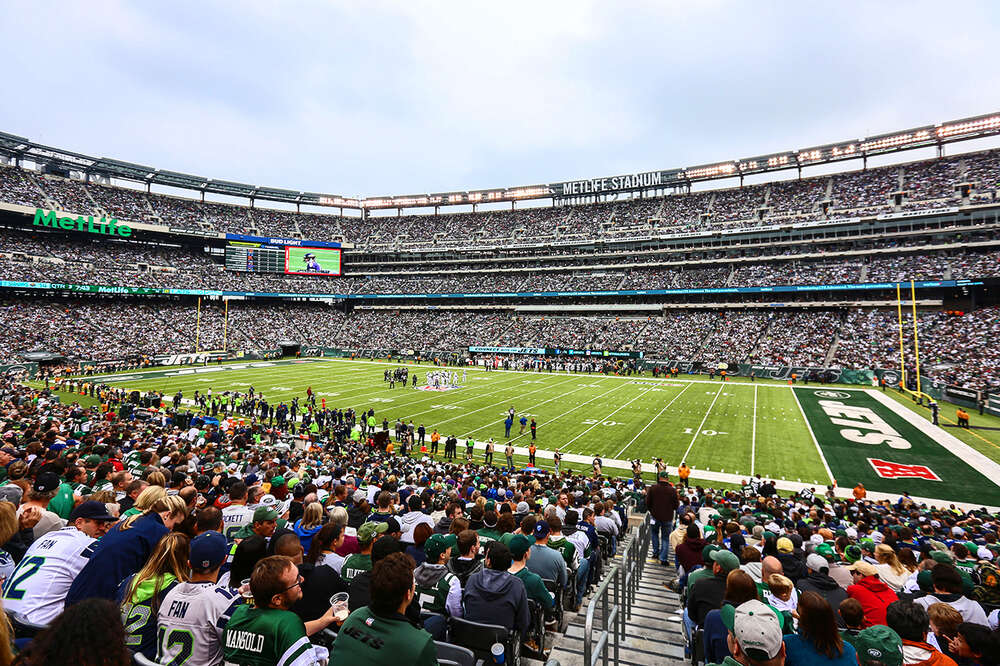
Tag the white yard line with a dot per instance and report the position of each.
(978, 461)
(819, 450)
(753, 433)
(653, 419)
(536, 405)
(499, 402)
(605, 418)
(570, 411)
(704, 418)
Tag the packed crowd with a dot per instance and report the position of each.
(954, 349)
(49, 258)
(922, 185)
(814, 579)
(227, 541)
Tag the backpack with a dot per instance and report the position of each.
(987, 591)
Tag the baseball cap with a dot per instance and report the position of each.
(879, 644)
(941, 556)
(268, 500)
(92, 510)
(264, 513)
(817, 562)
(663, 475)
(46, 482)
(359, 496)
(436, 544)
(541, 529)
(826, 550)
(863, 568)
(92, 461)
(784, 545)
(519, 545)
(368, 531)
(11, 493)
(756, 627)
(726, 559)
(208, 550)
(277, 481)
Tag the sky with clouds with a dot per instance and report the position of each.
(374, 97)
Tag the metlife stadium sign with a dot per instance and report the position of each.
(103, 226)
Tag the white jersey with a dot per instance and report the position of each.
(37, 589)
(234, 517)
(190, 623)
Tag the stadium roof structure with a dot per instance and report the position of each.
(657, 182)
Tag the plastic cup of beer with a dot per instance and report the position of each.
(339, 603)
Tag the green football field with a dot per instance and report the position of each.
(734, 428)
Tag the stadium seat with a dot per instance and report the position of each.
(536, 629)
(480, 638)
(449, 654)
(559, 611)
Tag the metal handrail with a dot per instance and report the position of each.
(623, 583)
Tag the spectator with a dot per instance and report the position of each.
(125, 549)
(818, 580)
(194, 613)
(438, 590)
(420, 534)
(310, 523)
(545, 561)
(948, 589)
(40, 598)
(494, 596)
(874, 595)
(878, 646)
(268, 632)
(661, 502)
(140, 596)
(754, 635)
(740, 588)
(380, 633)
(817, 640)
(853, 616)
(910, 621)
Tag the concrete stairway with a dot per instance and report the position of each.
(652, 633)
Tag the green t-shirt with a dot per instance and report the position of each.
(62, 503)
(373, 640)
(355, 564)
(698, 574)
(535, 587)
(266, 637)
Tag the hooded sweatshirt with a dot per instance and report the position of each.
(409, 521)
(826, 587)
(875, 596)
(923, 654)
(497, 597)
(971, 611)
(305, 535)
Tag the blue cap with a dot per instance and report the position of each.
(208, 550)
(541, 529)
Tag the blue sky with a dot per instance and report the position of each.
(372, 98)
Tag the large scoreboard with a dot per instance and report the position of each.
(259, 258)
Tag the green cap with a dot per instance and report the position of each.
(827, 551)
(264, 513)
(519, 545)
(707, 551)
(437, 544)
(941, 556)
(852, 553)
(278, 481)
(92, 461)
(972, 547)
(663, 475)
(726, 559)
(368, 530)
(868, 545)
(490, 505)
(879, 645)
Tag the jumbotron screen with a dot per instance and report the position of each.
(312, 261)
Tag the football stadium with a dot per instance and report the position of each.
(742, 411)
